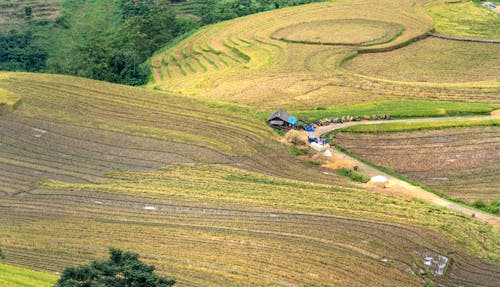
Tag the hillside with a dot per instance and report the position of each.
(299, 68)
(216, 208)
(185, 171)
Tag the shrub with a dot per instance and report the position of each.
(122, 269)
(353, 175)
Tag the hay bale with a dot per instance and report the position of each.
(296, 138)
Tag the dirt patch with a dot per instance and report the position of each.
(495, 113)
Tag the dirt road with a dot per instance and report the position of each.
(403, 188)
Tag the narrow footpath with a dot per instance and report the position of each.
(402, 188)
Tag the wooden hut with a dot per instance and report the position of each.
(282, 120)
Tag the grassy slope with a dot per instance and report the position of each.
(82, 17)
(399, 109)
(11, 276)
(466, 19)
(211, 215)
(405, 127)
(8, 98)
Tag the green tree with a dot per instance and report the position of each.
(123, 269)
(28, 11)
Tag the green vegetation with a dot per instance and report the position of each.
(466, 19)
(1, 254)
(20, 52)
(213, 11)
(11, 276)
(353, 175)
(8, 98)
(400, 109)
(419, 126)
(122, 269)
(491, 207)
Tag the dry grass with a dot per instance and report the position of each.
(433, 60)
(338, 32)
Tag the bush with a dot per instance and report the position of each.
(353, 175)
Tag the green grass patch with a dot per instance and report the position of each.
(9, 101)
(466, 19)
(11, 276)
(178, 64)
(399, 109)
(353, 175)
(418, 126)
(295, 151)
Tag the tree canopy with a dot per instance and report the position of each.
(122, 269)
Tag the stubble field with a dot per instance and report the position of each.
(199, 189)
(462, 163)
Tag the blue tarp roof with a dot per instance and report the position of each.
(292, 120)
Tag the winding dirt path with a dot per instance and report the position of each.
(402, 188)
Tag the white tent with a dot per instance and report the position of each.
(379, 179)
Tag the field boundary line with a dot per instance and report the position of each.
(453, 38)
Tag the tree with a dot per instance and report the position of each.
(123, 269)
(28, 11)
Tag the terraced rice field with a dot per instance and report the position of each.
(202, 190)
(279, 50)
(12, 14)
(433, 60)
(11, 276)
(461, 162)
(213, 225)
(466, 19)
(339, 32)
(75, 129)
(207, 63)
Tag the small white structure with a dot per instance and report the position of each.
(318, 147)
(328, 153)
(379, 180)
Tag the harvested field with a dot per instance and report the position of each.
(339, 32)
(214, 225)
(463, 163)
(76, 129)
(433, 60)
(225, 60)
(199, 189)
(466, 19)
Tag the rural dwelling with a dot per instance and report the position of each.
(282, 120)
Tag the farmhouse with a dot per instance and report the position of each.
(282, 120)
